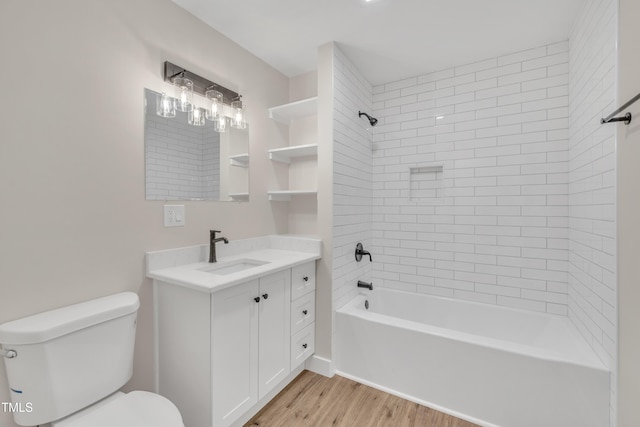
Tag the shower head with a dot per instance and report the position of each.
(372, 120)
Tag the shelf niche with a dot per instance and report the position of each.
(285, 195)
(239, 197)
(294, 110)
(240, 160)
(286, 154)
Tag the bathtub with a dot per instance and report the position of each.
(490, 365)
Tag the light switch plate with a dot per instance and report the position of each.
(174, 216)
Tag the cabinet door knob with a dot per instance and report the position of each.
(305, 278)
(265, 296)
(305, 312)
(304, 345)
(257, 299)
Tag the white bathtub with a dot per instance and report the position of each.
(491, 365)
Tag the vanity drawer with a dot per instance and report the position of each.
(303, 279)
(303, 312)
(302, 345)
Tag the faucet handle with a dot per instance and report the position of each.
(360, 252)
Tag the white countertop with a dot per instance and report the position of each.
(184, 266)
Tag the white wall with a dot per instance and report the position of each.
(498, 128)
(592, 179)
(75, 220)
(324, 269)
(628, 239)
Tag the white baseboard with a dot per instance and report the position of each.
(321, 366)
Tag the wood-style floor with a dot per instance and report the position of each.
(314, 400)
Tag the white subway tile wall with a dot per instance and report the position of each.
(499, 130)
(523, 212)
(210, 165)
(182, 161)
(592, 181)
(352, 179)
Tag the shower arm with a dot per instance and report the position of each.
(372, 120)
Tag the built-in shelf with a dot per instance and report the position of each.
(241, 160)
(285, 114)
(239, 196)
(283, 196)
(285, 154)
(294, 110)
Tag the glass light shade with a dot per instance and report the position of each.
(221, 124)
(165, 105)
(238, 119)
(195, 117)
(184, 93)
(214, 109)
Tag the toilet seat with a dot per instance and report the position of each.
(134, 409)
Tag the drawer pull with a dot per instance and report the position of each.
(305, 312)
(304, 345)
(257, 299)
(265, 296)
(305, 278)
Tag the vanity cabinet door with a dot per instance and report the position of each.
(274, 330)
(234, 351)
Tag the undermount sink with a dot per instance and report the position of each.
(232, 266)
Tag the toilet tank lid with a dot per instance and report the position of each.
(46, 326)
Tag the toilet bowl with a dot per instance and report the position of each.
(68, 365)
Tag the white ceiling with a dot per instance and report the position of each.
(387, 40)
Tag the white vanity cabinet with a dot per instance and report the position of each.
(222, 355)
(249, 344)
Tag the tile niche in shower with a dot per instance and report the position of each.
(426, 184)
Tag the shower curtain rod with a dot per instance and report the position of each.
(626, 118)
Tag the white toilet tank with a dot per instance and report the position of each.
(69, 358)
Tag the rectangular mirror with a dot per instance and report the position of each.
(185, 162)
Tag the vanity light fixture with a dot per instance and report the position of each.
(165, 105)
(221, 124)
(238, 114)
(196, 116)
(222, 104)
(214, 104)
(183, 93)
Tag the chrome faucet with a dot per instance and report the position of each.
(212, 244)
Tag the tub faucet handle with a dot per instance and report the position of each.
(360, 251)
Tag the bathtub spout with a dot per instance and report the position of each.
(362, 284)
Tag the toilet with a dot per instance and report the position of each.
(65, 367)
